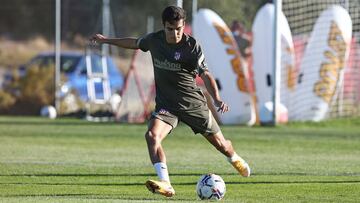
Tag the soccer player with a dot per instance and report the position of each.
(177, 59)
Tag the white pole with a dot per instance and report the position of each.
(194, 8)
(105, 25)
(346, 5)
(150, 24)
(57, 53)
(341, 94)
(179, 3)
(277, 60)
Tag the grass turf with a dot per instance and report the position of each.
(73, 160)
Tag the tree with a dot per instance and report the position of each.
(21, 19)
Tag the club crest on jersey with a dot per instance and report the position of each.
(177, 56)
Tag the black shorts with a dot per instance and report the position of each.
(200, 121)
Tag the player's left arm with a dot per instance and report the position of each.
(213, 90)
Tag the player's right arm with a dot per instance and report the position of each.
(126, 42)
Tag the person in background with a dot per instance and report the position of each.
(242, 37)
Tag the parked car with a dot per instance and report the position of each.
(73, 65)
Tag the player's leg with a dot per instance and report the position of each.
(202, 121)
(159, 127)
(157, 131)
(225, 147)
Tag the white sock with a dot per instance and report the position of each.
(235, 157)
(162, 171)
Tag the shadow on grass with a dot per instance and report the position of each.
(295, 182)
(78, 184)
(172, 174)
(96, 175)
(188, 183)
(91, 197)
(64, 123)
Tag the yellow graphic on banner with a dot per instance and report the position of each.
(236, 61)
(330, 70)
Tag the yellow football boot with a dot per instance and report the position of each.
(160, 187)
(242, 167)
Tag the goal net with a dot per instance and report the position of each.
(139, 90)
(302, 17)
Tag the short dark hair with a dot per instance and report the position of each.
(173, 14)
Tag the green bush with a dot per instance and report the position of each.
(38, 85)
(6, 100)
(26, 95)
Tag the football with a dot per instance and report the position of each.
(211, 186)
(48, 111)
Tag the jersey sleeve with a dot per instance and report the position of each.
(200, 62)
(144, 42)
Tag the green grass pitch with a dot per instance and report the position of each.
(73, 160)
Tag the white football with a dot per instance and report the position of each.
(211, 186)
(48, 111)
(266, 111)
